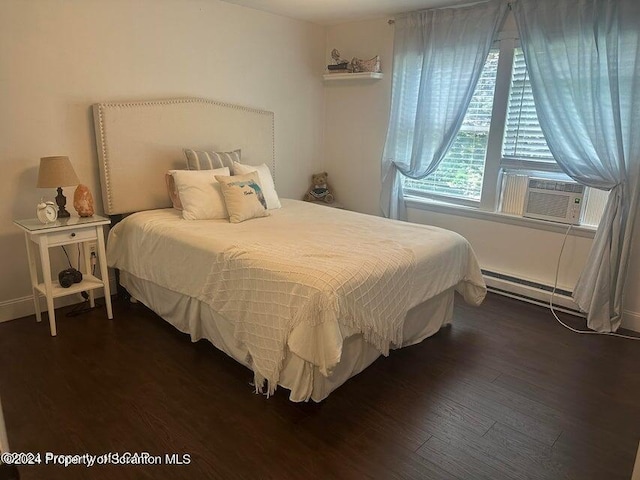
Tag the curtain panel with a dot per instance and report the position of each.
(583, 58)
(437, 60)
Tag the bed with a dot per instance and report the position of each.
(306, 297)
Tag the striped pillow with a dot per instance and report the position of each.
(210, 160)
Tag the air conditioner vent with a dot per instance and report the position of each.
(553, 185)
(545, 204)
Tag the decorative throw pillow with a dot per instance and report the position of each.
(172, 191)
(197, 160)
(243, 197)
(200, 193)
(266, 181)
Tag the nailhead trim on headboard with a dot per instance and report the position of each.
(102, 143)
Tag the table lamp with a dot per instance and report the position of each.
(57, 172)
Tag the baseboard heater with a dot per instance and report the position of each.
(529, 291)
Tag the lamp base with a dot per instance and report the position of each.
(61, 201)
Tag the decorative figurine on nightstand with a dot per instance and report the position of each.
(320, 190)
(83, 201)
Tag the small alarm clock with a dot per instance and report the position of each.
(47, 212)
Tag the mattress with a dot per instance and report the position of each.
(302, 280)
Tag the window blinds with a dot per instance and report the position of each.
(523, 138)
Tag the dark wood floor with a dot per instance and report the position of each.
(505, 393)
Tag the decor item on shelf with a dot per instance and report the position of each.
(57, 172)
(337, 60)
(339, 65)
(371, 65)
(83, 201)
(342, 68)
(320, 190)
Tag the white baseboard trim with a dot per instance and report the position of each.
(23, 306)
(630, 320)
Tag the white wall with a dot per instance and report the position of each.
(356, 122)
(356, 115)
(57, 57)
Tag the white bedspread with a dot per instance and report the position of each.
(289, 280)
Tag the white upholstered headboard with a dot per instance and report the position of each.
(138, 142)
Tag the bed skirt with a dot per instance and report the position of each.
(304, 381)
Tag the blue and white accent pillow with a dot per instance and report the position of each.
(243, 197)
(266, 181)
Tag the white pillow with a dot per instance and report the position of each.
(266, 182)
(243, 197)
(200, 193)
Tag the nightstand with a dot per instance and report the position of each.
(66, 231)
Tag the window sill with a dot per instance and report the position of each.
(470, 212)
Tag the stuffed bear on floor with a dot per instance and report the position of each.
(320, 190)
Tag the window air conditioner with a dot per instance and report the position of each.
(553, 200)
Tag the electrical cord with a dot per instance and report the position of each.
(555, 286)
(68, 259)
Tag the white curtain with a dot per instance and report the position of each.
(437, 60)
(583, 58)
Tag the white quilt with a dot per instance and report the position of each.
(288, 281)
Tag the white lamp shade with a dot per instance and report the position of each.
(56, 172)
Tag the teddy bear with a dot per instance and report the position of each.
(320, 190)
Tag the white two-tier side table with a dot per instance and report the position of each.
(66, 231)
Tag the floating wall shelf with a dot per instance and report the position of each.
(353, 76)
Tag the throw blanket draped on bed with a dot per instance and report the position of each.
(291, 280)
(299, 291)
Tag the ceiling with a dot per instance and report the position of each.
(331, 12)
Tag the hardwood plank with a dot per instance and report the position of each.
(588, 451)
(464, 390)
(548, 459)
(534, 455)
(471, 446)
(459, 461)
(402, 461)
(583, 404)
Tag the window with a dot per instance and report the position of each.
(461, 172)
(500, 141)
